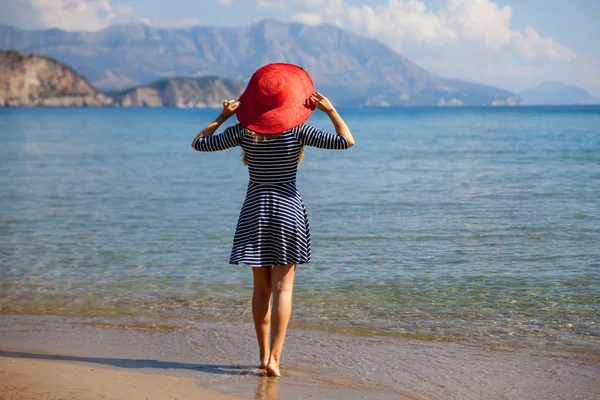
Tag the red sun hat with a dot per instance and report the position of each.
(276, 99)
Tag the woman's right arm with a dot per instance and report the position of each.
(205, 141)
(231, 137)
(322, 103)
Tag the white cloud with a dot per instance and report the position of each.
(309, 18)
(480, 20)
(224, 2)
(531, 45)
(400, 19)
(404, 22)
(469, 39)
(77, 14)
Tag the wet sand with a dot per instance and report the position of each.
(221, 357)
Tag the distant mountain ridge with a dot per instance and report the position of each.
(351, 69)
(557, 93)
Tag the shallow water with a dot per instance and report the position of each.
(445, 224)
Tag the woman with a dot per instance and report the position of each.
(272, 233)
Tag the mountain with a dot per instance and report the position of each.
(557, 93)
(29, 81)
(180, 92)
(594, 90)
(350, 69)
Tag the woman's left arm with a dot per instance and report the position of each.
(229, 108)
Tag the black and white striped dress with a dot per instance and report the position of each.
(273, 225)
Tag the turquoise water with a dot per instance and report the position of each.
(450, 224)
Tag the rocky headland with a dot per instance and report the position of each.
(32, 81)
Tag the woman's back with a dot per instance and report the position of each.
(274, 160)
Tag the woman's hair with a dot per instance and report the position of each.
(260, 137)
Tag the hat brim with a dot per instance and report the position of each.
(280, 119)
(273, 121)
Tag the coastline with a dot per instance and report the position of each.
(220, 357)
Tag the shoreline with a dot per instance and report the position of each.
(221, 357)
(584, 348)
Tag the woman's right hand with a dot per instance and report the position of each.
(321, 102)
(229, 108)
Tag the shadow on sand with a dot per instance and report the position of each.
(133, 363)
(267, 388)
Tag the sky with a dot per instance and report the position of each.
(512, 44)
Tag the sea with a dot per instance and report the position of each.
(472, 225)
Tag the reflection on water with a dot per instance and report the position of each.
(267, 388)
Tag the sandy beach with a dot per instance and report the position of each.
(28, 379)
(74, 358)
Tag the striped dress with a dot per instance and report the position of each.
(273, 225)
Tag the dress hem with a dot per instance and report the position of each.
(269, 264)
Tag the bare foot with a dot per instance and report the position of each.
(264, 360)
(272, 369)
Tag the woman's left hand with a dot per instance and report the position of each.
(229, 107)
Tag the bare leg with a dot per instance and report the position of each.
(282, 282)
(261, 310)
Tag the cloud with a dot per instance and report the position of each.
(88, 15)
(400, 19)
(469, 39)
(531, 45)
(224, 2)
(406, 22)
(85, 15)
(309, 18)
(280, 4)
(480, 20)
